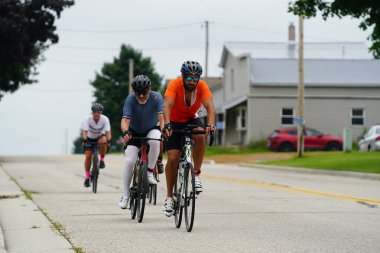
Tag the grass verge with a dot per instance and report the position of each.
(359, 162)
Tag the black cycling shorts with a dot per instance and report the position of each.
(176, 140)
(90, 143)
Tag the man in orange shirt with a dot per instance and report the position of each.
(183, 98)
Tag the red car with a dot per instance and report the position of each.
(285, 139)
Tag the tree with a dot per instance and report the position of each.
(112, 84)
(366, 10)
(78, 149)
(26, 30)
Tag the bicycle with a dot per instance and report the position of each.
(139, 189)
(94, 173)
(184, 187)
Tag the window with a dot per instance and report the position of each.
(287, 115)
(292, 132)
(312, 132)
(357, 116)
(232, 80)
(241, 118)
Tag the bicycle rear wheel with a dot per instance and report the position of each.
(155, 195)
(157, 177)
(189, 187)
(152, 193)
(142, 191)
(177, 197)
(95, 172)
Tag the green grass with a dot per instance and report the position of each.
(254, 147)
(354, 161)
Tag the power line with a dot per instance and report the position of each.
(114, 48)
(61, 90)
(72, 62)
(247, 28)
(130, 31)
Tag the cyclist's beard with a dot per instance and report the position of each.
(188, 88)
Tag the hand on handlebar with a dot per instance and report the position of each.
(210, 129)
(127, 135)
(167, 130)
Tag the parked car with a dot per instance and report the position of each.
(371, 140)
(285, 139)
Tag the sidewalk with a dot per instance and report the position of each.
(23, 227)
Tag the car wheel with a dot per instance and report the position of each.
(333, 146)
(286, 147)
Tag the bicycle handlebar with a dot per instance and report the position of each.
(92, 142)
(189, 130)
(145, 138)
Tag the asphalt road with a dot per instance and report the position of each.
(241, 210)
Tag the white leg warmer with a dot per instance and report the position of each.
(154, 149)
(131, 154)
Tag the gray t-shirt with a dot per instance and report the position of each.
(143, 116)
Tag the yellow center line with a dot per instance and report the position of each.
(293, 189)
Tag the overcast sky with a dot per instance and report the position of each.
(45, 118)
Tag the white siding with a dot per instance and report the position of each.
(241, 73)
(330, 116)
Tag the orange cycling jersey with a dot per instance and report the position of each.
(180, 111)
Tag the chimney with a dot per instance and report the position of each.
(292, 41)
(292, 33)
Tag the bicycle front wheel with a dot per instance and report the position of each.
(142, 191)
(189, 187)
(95, 172)
(134, 193)
(177, 197)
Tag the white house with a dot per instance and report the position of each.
(259, 89)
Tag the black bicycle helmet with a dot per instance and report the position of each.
(140, 83)
(191, 68)
(97, 107)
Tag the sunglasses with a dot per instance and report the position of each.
(144, 93)
(189, 79)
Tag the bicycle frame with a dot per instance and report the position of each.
(95, 165)
(184, 186)
(139, 187)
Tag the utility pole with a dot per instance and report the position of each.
(207, 44)
(66, 141)
(300, 136)
(130, 75)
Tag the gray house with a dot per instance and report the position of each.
(259, 89)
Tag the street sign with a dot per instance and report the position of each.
(298, 121)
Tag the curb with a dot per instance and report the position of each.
(22, 221)
(2, 242)
(361, 175)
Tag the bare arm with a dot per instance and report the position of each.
(168, 105)
(108, 135)
(124, 125)
(209, 106)
(161, 120)
(84, 134)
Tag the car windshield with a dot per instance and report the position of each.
(312, 132)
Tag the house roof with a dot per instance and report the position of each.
(319, 72)
(222, 107)
(289, 50)
(214, 82)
